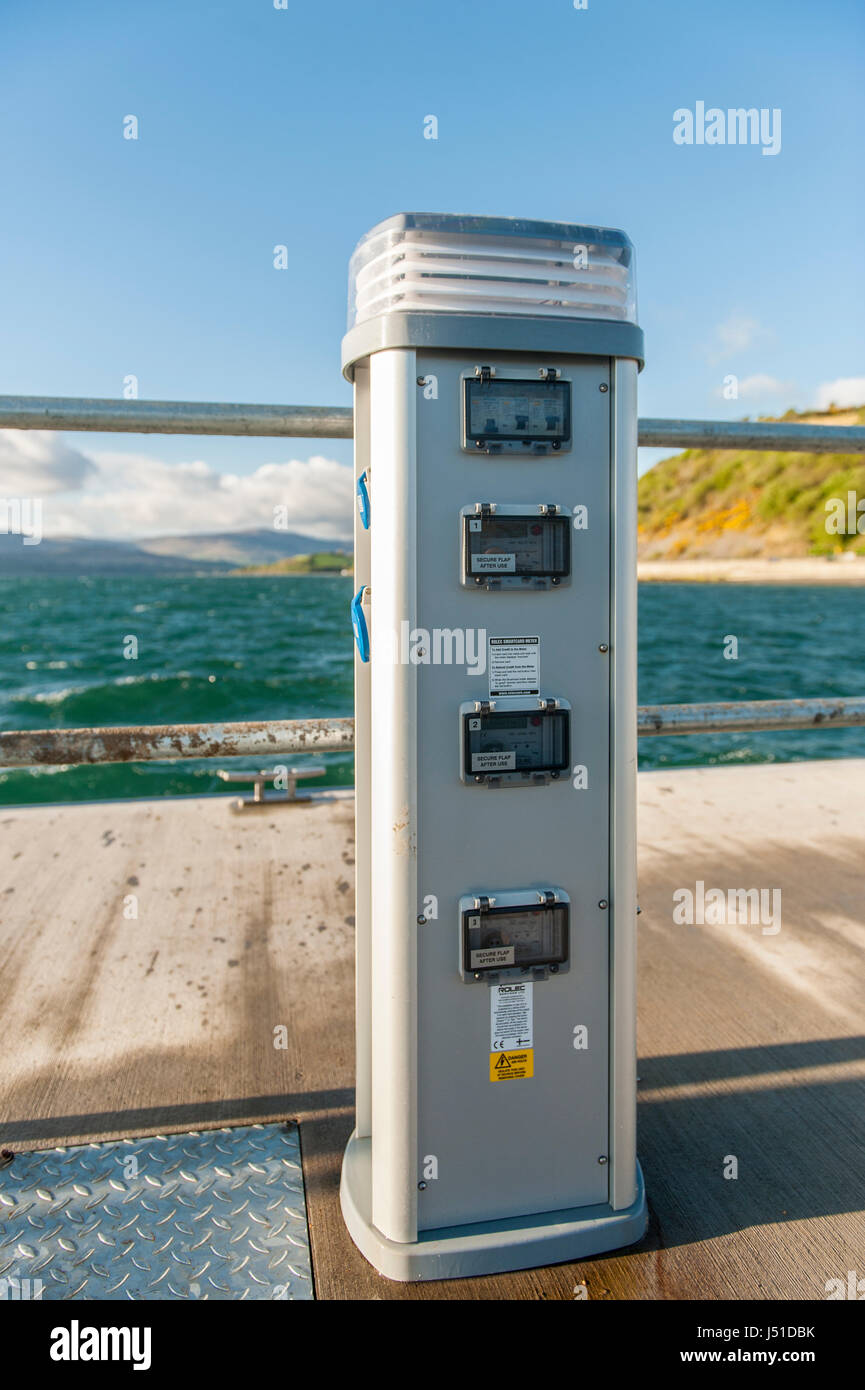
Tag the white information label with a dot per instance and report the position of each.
(510, 1017)
(493, 957)
(515, 665)
(494, 762)
(494, 564)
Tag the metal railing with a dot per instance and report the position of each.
(743, 716)
(336, 422)
(274, 737)
(67, 747)
(167, 742)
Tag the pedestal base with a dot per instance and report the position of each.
(490, 1247)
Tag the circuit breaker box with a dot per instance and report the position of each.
(495, 365)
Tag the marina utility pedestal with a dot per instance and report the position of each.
(494, 364)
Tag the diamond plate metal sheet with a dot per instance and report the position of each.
(215, 1214)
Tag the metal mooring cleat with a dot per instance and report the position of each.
(260, 779)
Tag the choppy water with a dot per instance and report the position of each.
(281, 648)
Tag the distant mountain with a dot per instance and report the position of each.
(203, 554)
(712, 504)
(233, 548)
(77, 557)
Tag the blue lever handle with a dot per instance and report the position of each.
(358, 622)
(363, 500)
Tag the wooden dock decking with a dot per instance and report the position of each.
(751, 1044)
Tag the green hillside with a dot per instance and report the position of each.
(716, 504)
(320, 562)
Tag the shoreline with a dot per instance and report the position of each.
(811, 569)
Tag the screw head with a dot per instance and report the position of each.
(603, 386)
(603, 1158)
(603, 903)
(603, 647)
(421, 1187)
(421, 381)
(421, 921)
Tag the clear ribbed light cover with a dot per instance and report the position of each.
(437, 263)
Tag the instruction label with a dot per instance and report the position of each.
(491, 957)
(515, 665)
(494, 564)
(511, 1016)
(494, 762)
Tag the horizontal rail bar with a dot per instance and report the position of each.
(167, 742)
(267, 738)
(175, 417)
(737, 434)
(756, 715)
(336, 422)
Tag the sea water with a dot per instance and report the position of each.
(247, 647)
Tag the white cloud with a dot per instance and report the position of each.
(736, 334)
(36, 462)
(125, 496)
(846, 391)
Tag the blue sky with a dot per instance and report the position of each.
(303, 126)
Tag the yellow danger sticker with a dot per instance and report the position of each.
(512, 1066)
